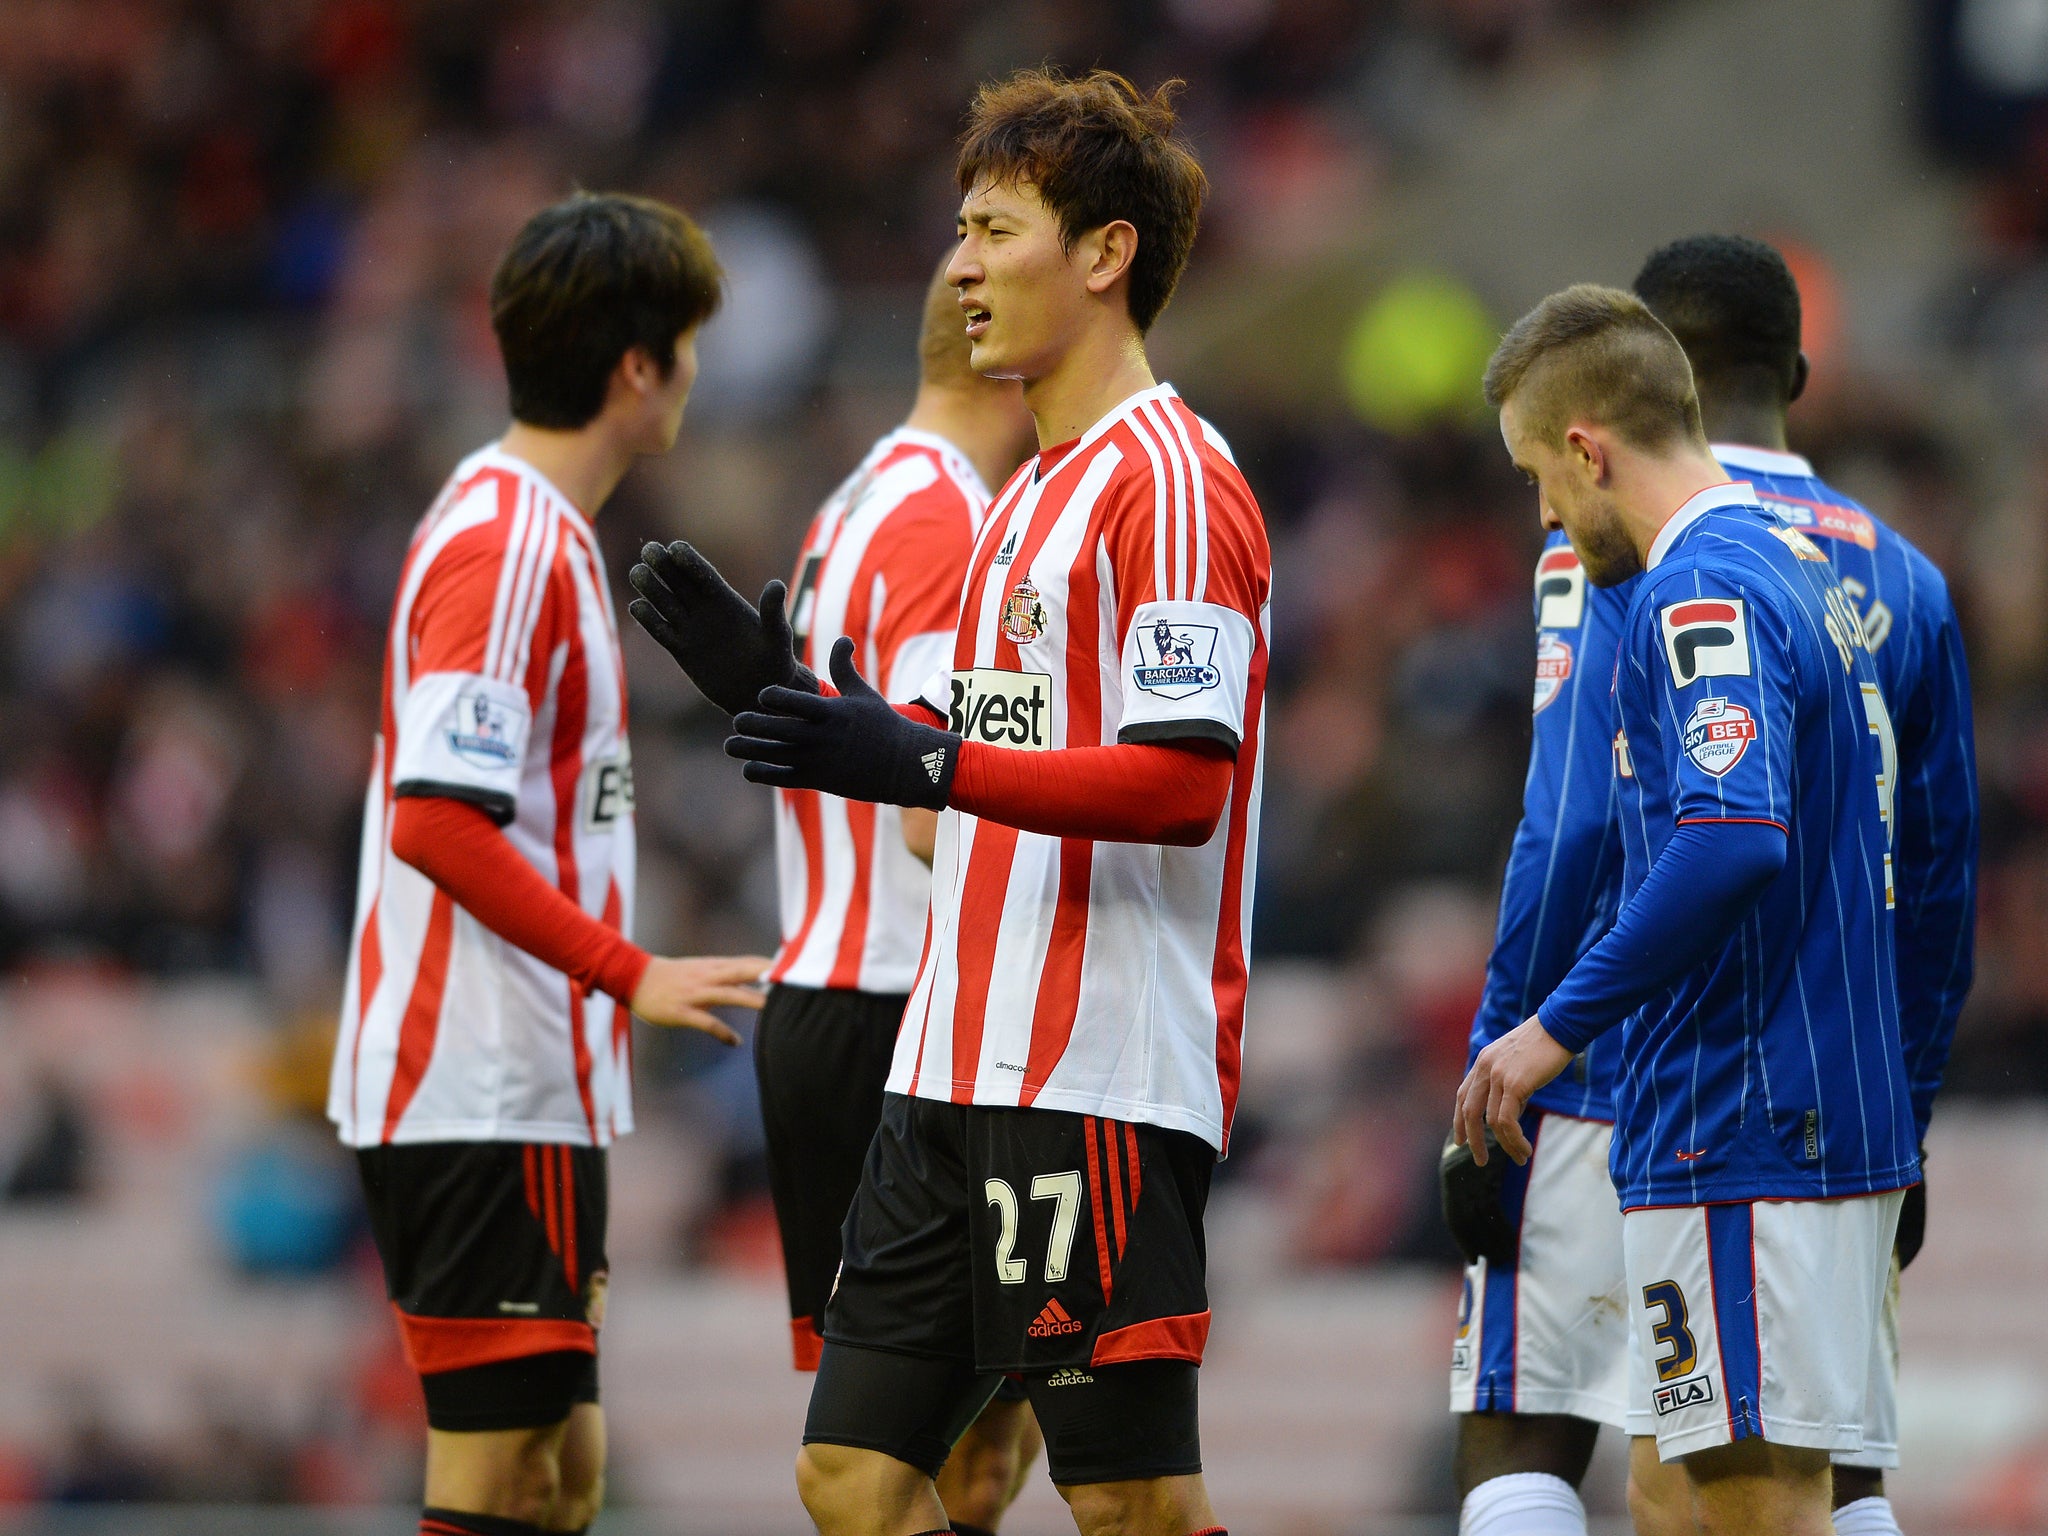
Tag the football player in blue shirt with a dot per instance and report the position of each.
(1734, 306)
(1764, 1132)
(1542, 1345)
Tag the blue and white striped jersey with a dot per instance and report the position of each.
(1563, 880)
(1745, 693)
(1917, 648)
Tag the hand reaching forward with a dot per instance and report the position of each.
(855, 745)
(1498, 1088)
(676, 992)
(727, 648)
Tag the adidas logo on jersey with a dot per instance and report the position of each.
(1067, 1376)
(934, 764)
(1009, 550)
(1052, 1321)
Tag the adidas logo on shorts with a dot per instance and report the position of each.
(1067, 1376)
(1052, 1321)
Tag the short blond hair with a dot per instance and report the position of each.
(1594, 353)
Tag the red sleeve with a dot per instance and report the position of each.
(457, 846)
(1133, 792)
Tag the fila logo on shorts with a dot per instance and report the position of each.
(1706, 637)
(882, 565)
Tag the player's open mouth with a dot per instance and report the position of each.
(977, 321)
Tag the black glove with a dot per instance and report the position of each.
(730, 651)
(1913, 1219)
(1472, 1207)
(856, 745)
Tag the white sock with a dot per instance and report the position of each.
(1525, 1504)
(1867, 1517)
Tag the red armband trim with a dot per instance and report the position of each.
(459, 848)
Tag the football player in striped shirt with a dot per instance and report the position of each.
(1734, 306)
(484, 1059)
(1763, 1119)
(882, 565)
(1068, 1064)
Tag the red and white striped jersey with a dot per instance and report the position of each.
(504, 686)
(882, 563)
(1117, 592)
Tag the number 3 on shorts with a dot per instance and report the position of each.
(1671, 1332)
(1065, 1190)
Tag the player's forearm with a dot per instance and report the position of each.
(1706, 881)
(461, 850)
(1171, 793)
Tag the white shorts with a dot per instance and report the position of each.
(1761, 1319)
(1551, 1335)
(1880, 1451)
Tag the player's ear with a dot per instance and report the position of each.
(1109, 252)
(1801, 370)
(1588, 450)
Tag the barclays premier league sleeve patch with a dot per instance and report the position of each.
(463, 736)
(1717, 733)
(1185, 662)
(1706, 637)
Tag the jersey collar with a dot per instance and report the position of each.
(1730, 493)
(1760, 461)
(1066, 452)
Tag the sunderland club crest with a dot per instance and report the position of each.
(1023, 614)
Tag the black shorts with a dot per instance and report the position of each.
(1025, 1239)
(494, 1261)
(1064, 1249)
(822, 1057)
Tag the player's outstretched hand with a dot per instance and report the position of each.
(856, 745)
(728, 648)
(677, 992)
(1498, 1088)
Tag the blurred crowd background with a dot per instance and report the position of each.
(243, 335)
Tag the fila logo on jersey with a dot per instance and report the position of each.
(1560, 590)
(1553, 667)
(1717, 734)
(1706, 637)
(1689, 1393)
(1023, 614)
(481, 732)
(1184, 652)
(1005, 709)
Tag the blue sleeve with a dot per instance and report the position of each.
(1564, 868)
(1705, 881)
(1934, 810)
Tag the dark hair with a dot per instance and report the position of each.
(1734, 306)
(1594, 353)
(1096, 150)
(586, 281)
